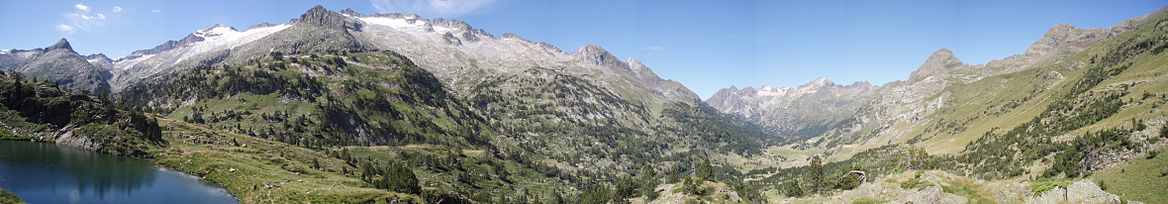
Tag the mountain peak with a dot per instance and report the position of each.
(941, 61)
(61, 44)
(317, 9)
(1061, 36)
(319, 16)
(821, 81)
(216, 30)
(97, 56)
(942, 53)
(350, 12)
(592, 50)
(596, 54)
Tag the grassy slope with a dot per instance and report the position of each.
(972, 104)
(1139, 179)
(264, 171)
(974, 100)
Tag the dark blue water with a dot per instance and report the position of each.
(47, 173)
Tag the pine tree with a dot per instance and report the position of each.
(703, 170)
(557, 198)
(598, 194)
(402, 179)
(625, 187)
(315, 163)
(649, 183)
(794, 189)
(815, 174)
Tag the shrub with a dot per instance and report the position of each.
(1045, 184)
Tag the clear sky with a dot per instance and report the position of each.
(706, 45)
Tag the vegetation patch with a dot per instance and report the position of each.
(1137, 179)
(10, 198)
(868, 200)
(1041, 185)
(968, 190)
(262, 171)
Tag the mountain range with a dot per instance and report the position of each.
(396, 107)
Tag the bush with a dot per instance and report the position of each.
(598, 194)
(693, 185)
(912, 183)
(626, 187)
(794, 189)
(1045, 184)
(1164, 131)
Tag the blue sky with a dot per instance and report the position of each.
(706, 45)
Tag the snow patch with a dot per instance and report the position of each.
(222, 37)
(395, 23)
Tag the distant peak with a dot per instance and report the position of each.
(941, 61)
(350, 12)
(821, 81)
(944, 56)
(319, 16)
(96, 56)
(596, 54)
(1061, 27)
(221, 27)
(61, 44)
(592, 50)
(943, 52)
(861, 83)
(318, 9)
(216, 30)
(261, 25)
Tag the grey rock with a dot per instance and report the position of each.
(1078, 192)
(934, 194)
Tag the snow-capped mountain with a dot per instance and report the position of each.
(795, 112)
(536, 94)
(175, 54)
(462, 55)
(459, 54)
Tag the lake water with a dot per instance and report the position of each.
(47, 173)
